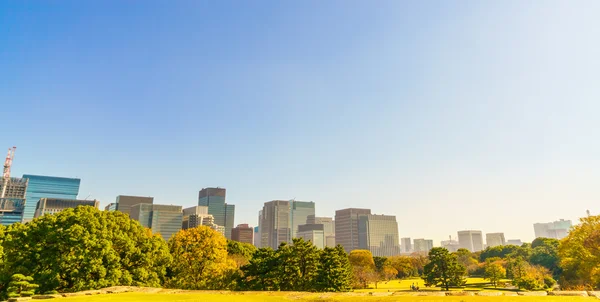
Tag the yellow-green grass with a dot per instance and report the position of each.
(283, 296)
(473, 284)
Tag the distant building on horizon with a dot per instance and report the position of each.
(423, 245)
(379, 234)
(451, 245)
(40, 186)
(516, 242)
(494, 239)
(314, 233)
(328, 228)
(470, 240)
(406, 245)
(124, 203)
(279, 220)
(256, 240)
(162, 219)
(346, 227)
(224, 214)
(55, 205)
(243, 233)
(557, 229)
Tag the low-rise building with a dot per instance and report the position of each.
(242, 233)
(55, 205)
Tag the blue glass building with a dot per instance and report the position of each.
(11, 210)
(47, 187)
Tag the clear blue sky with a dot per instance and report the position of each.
(450, 115)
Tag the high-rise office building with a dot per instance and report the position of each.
(256, 239)
(162, 219)
(328, 228)
(279, 220)
(313, 233)
(379, 234)
(494, 239)
(556, 229)
(55, 205)
(11, 210)
(423, 245)
(110, 207)
(224, 214)
(124, 203)
(15, 187)
(406, 245)
(242, 233)
(39, 187)
(346, 227)
(196, 216)
(470, 240)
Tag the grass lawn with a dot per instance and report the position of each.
(291, 296)
(473, 284)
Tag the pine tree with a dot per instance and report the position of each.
(20, 286)
(443, 269)
(335, 271)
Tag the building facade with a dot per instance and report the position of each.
(15, 187)
(314, 233)
(162, 219)
(55, 205)
(556, 229)
(406, 245)
(256, 239)
(379, 234)
(11, 210)
(224, 214)
(451, 245)
(243, 233)
(470, 240)
(346, 227)
(423, 245)
(516, 242)
(39, 187)
(124, 203)
(279, 220)
(328, 228)
(494, 239)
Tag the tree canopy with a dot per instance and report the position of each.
(580, 255)
(444, 269)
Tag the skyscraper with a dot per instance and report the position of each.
(556, 229)
(224, 214)
(328, 228)
(11, 210)
(406, 245)
(162, 219)
(423, 245)
(379, 234)
(39, 187)
(196, 216)
(242, 233)
(55, 205)
(313, 233)
(279, 220)
(256, 239)
(124, 203)
(470, 240)
(346, 227)
(494, 239)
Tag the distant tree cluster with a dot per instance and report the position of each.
(84, 248)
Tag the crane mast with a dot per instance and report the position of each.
(6, 172)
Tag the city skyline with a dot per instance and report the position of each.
(445, 115)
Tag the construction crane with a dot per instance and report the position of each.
(6, 173)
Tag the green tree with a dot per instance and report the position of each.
(21, 286)
(443, 269)
(545, 253)
(579, 255)
(84, 248)
(261, 272)
(403, 266)
(335, 271)
(200, 259)
(298, 265)
(500, 251)
(467, 259)
(363, 267)
(240, 252)
(494, 271)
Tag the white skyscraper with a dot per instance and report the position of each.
(470, 240)
(557, 229)
(494, 239)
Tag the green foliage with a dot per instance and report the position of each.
(444, 269)
(363, 267)
(200, 260)
(404, 266)
(494, 271)
(500, 251)
(298, 264)
(580, 255)
(84, 248)
(335, 271)
(261, 272)
(20, 286)
(527, 276)
(469, 261)
(545, 253)
(239, 248)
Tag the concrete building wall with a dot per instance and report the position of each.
(471, 240)
(124, 203)
(55, 205)
(494, 239)
(242, 233)
(346, 227)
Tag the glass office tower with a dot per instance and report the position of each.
(224, 214)
(11, 210)
(47, 187)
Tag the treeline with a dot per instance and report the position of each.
(84, 248)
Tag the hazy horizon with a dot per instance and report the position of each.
(449, 115)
